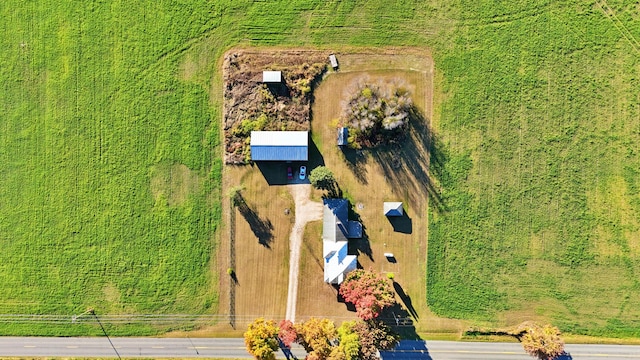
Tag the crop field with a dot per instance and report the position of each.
(110, 155)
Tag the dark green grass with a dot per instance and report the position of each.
(537, 152)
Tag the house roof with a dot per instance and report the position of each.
(279, 145)
(393, 209)
(336, 230)
(337, 262)
(271, 76)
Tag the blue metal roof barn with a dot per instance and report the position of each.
(279, 145)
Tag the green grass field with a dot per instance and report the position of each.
(110, 168)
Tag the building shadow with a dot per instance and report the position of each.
(408, 350)
(274, 172)
(406, 300)
(279, 90)
(401, 224)
(361, 245)
(315, 156)
(262, 228)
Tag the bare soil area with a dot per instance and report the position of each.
(250, 104)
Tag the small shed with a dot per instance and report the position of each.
(272, 77)
(343, 136)
(333, 61)
(393, 209)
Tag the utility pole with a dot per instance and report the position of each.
(91, 311)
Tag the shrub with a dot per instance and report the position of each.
(376, 114)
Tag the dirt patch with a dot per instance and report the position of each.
(251, 105)
(173, 183)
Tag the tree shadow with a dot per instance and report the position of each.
(401, 224)
(262, 228)
(399, 319)
(407, 164)
(406, 300)
(234, 278)
(356, 162)
(564, 356)
(408, 350)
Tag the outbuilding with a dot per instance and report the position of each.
(334, 61)
(279, 145)
(271, 77)
(343, 136)
(393, 209)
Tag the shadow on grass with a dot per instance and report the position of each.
(406, 300)
(262, 228)
(361, 245)
(401, 224)
(399, 319)
(356, 161)
(406, 164)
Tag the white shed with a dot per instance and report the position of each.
(272, 77)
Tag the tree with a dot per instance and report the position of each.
(322, 178)
(375, 114)
(349, 343)
(235, 195)
(374, 336)
(369, 292)
(543, 342)
(260, 339)
(315, 335)
(287, 333)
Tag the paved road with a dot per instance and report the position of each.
(234, 348)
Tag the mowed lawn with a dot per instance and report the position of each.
(110, 157)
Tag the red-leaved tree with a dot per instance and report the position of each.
(369, 292)
(287, 334)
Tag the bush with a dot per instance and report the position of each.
(376, 114)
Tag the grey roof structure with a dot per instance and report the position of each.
(393, 209)
(279, 145)
(336, 230)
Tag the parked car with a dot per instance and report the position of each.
(303, 172)
(289, 173)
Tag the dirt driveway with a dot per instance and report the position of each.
(306, 211)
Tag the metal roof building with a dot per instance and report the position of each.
(279, 145)
(271, 76)
(393, 209)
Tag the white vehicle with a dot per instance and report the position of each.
(303, 172)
